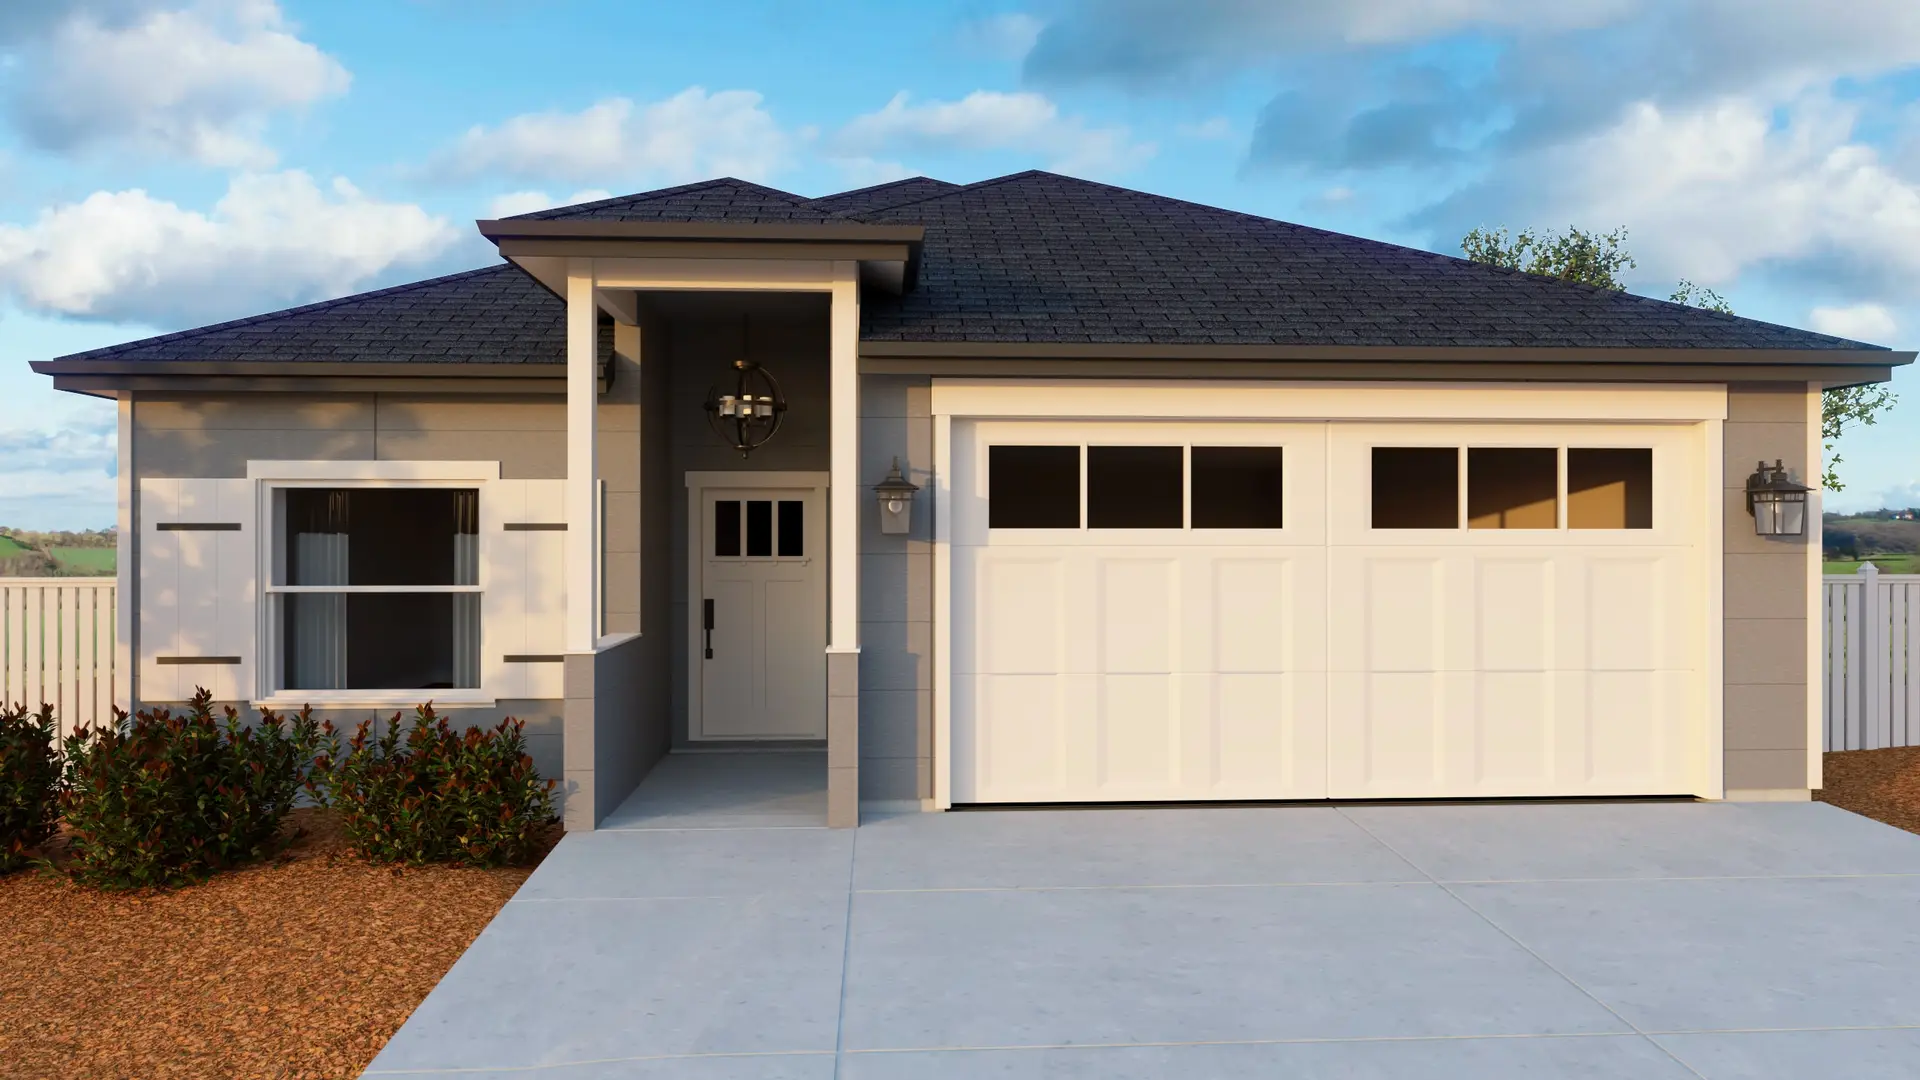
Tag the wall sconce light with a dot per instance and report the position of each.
(896, 501)
(750, 413)
(1778, 505)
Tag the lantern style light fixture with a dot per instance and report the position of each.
(896, 501)
(749, 412)
(1778, 505)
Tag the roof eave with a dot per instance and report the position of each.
(1095, 351)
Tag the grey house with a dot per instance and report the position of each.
(1190, 505)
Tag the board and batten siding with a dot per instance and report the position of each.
(1764, 599)
(195, 443)
(896, 596)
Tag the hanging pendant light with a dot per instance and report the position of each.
(747, 412)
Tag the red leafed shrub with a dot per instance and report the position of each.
(160, 799)
(29, 782)
(433, 794)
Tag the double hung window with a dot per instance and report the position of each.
(374, 588)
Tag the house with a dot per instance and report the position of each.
(1192, 505)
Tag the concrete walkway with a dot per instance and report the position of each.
(711, 936)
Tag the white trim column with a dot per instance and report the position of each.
(843, 633)
(844, 491)
(1816, 591)
(583, 437)
(126, 582)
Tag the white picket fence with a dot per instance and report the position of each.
(57, 647)
(1873, 659)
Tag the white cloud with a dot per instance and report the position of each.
(1871, 323)
(199, 81)
(988, 120)
(1707, 193)
(526, 202)
(271, 240)
(692, 135)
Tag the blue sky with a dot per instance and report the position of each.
(167, 163)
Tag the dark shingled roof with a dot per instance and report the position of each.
(863, 201)
(497, 314)
(1038, 257)
(1033, 257)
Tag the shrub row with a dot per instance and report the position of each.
(159, 799)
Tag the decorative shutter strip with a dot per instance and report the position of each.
(523, 578)
(199, 591)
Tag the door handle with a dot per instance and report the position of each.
(709, 628)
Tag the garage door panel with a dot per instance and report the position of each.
(1630, 614)
(1138, 736)
(1139, 614)
(1385, 732)
(1022, 614)
(1514, 604)
(1514, 731)
(1257, 605)
(1267, 738)
(1025, 754)
(1633, 730)
(1403, 601)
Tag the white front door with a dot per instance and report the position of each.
(760, 620)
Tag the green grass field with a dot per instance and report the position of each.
(85, 560)
(9, 547)
(1888, 564)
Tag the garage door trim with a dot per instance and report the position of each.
(979, 399)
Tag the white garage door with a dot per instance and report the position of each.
(1178, 611)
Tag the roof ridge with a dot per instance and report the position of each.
(637, 197)
(853, 215)
(958, 189)
(301, 309)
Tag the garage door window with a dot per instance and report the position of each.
(1416, 487)
(1135, 487)
(1510, 487)
(1238, 487)
(1610, 488)
(1033, 487)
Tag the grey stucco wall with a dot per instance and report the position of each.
(896, 595)
(700, 353)
(1764, 592)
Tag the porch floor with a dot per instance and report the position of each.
(729, 789)
(708, 938)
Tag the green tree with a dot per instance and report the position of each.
(1589, 258)
(1597, 259)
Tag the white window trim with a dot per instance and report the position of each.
(270, 476)
(343, 471)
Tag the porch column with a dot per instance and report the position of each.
(583, 466)
(843, 557)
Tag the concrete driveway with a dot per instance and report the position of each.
(1633, 940)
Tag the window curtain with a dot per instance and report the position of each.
(466, 606)
(317, 651)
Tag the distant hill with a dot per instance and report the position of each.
(1862, 536)
(27, 553)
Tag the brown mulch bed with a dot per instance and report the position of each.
(299, 968)
(1881, 784)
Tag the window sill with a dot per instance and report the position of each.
(376, 699)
